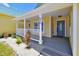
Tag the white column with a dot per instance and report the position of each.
(24, 27)
(40, 32)
(74, 29)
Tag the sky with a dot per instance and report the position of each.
(17, 9)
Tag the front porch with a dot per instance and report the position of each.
(54, 46)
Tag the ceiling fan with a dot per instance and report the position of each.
(6, 4)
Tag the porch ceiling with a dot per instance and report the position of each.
(48, 9)
(60, 12)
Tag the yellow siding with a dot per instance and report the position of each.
(6, 24)
(20, 24)
(27, 24)
(71, 31)
(47, 26)
(54, 26)
(32, 24)
(67, 26)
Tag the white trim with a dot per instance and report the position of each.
(65, 24)
(74, 46)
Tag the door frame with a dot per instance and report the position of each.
(65, 25)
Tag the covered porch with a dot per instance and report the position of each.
(44, 41)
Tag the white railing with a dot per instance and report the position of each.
(20, 31)
(33, 30)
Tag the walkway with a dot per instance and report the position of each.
(20, 49)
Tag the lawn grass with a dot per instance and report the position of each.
(5, 50)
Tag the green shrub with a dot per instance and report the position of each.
(19, 40)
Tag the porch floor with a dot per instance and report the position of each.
(54, 46)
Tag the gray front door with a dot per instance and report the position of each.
(61, 28)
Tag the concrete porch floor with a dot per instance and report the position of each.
(54, 46)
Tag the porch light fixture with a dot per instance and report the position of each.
(60, 16)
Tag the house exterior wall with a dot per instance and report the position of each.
(71, 27)
(6, 24)
(47, 26)
(20, 24)
(54, 25)
(50, 25)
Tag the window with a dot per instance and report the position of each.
(60, 26)
(37, 25)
